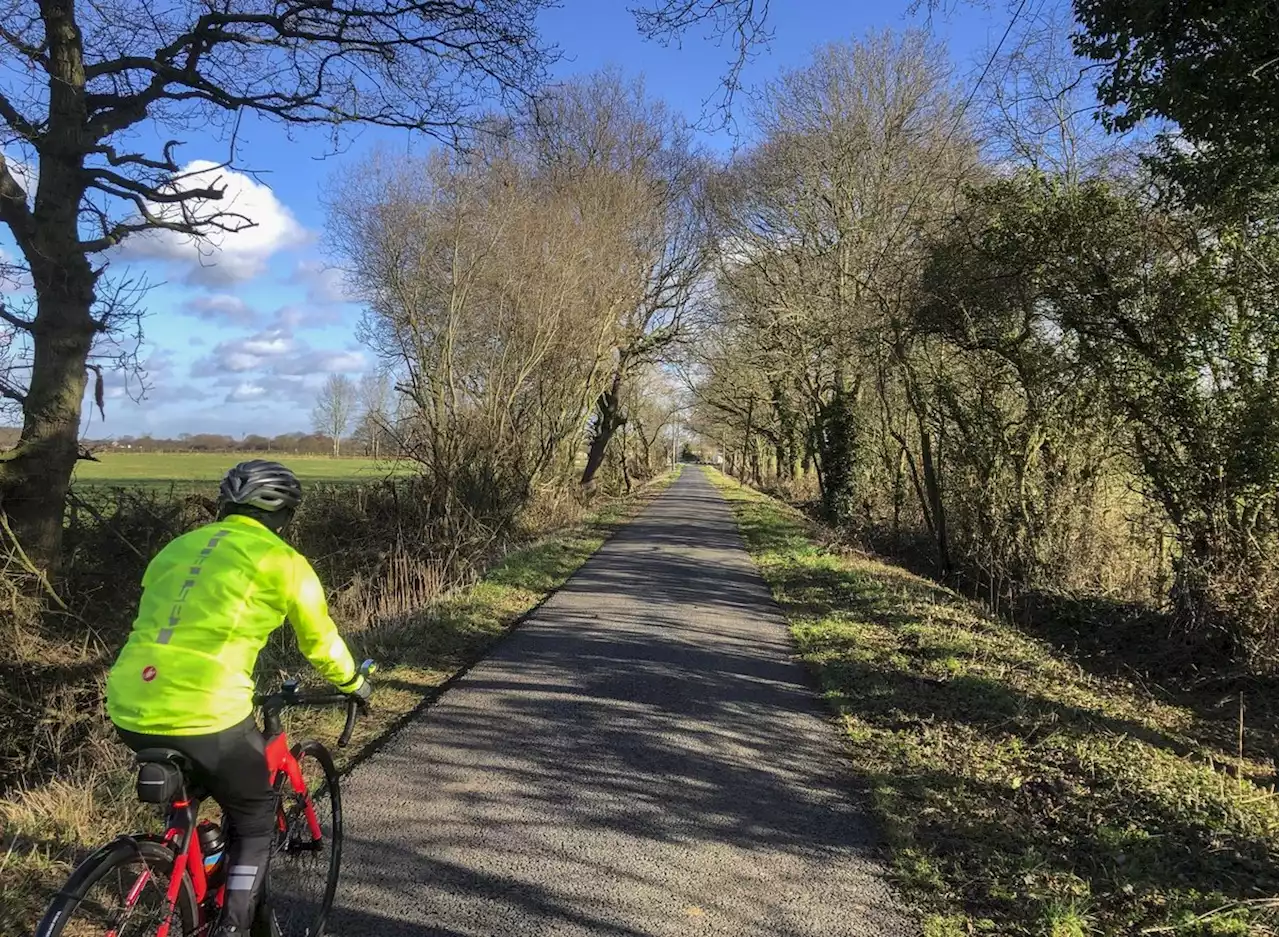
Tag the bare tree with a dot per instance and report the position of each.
(652, 402)
(90, 83)
(820, 229)
(1037, 103)
(335, 409)
(484, 288)
(602, 141)
(374, 427)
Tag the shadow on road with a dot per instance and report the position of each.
(644, 756)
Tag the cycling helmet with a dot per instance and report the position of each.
(267, 486)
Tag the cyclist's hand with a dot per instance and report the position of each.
(362, 692)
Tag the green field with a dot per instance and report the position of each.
(197, 469)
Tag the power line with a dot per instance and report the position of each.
(973, 93)
(987, 68)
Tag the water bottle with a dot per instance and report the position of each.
(212, 845)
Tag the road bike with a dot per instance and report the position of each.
(172, 884)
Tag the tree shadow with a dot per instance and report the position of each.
(1140, 837)
(645, 756)
(1143, 646)
(1131, 642)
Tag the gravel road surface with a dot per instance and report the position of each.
(642, 757)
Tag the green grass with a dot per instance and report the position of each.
(44, 830)
(1018, 794)
(190, 469)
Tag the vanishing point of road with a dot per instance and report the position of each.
(643, 757)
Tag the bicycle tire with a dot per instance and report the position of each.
(69, 905)
(297, 911)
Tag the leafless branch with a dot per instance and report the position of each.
(14, 208)
(741, 24)
(11, 116)
(13, 320)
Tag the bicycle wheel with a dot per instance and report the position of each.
(120, 890)
(302, 875)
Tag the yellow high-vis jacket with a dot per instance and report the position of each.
(210, 600)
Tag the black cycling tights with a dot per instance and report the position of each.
(232, 766)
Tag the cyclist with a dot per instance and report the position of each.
(184, 679)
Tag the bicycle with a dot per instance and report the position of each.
(170, 885)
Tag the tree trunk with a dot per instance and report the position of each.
(934, 492)
(785, 449)
(626, 478)
(646, 470)
(837, 454)
(899, 495)
(609, 417)
(35, 475)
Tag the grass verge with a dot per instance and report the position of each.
(1019, 795)
(46, 829)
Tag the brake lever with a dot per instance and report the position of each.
(367, 669)
(352, 707)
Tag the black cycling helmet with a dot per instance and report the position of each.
(266, 486)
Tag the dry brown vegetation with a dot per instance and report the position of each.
(522, 290)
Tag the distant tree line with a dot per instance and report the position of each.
(296, 443)
(366, 440)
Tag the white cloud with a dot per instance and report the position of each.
(322, 362)
(276, 352)
(246, 391)
(324, 284)
(220, 307)
(223, 257)
(312, 317)
(282, 394)
(268, 344)
(232, 310)
(238, 361)
(247, 354)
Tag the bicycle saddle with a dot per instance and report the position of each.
(164, 756)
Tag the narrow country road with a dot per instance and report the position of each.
(643, 757)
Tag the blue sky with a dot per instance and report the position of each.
(237, 340)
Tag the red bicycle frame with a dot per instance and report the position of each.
(180, 829)
(181, 838)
